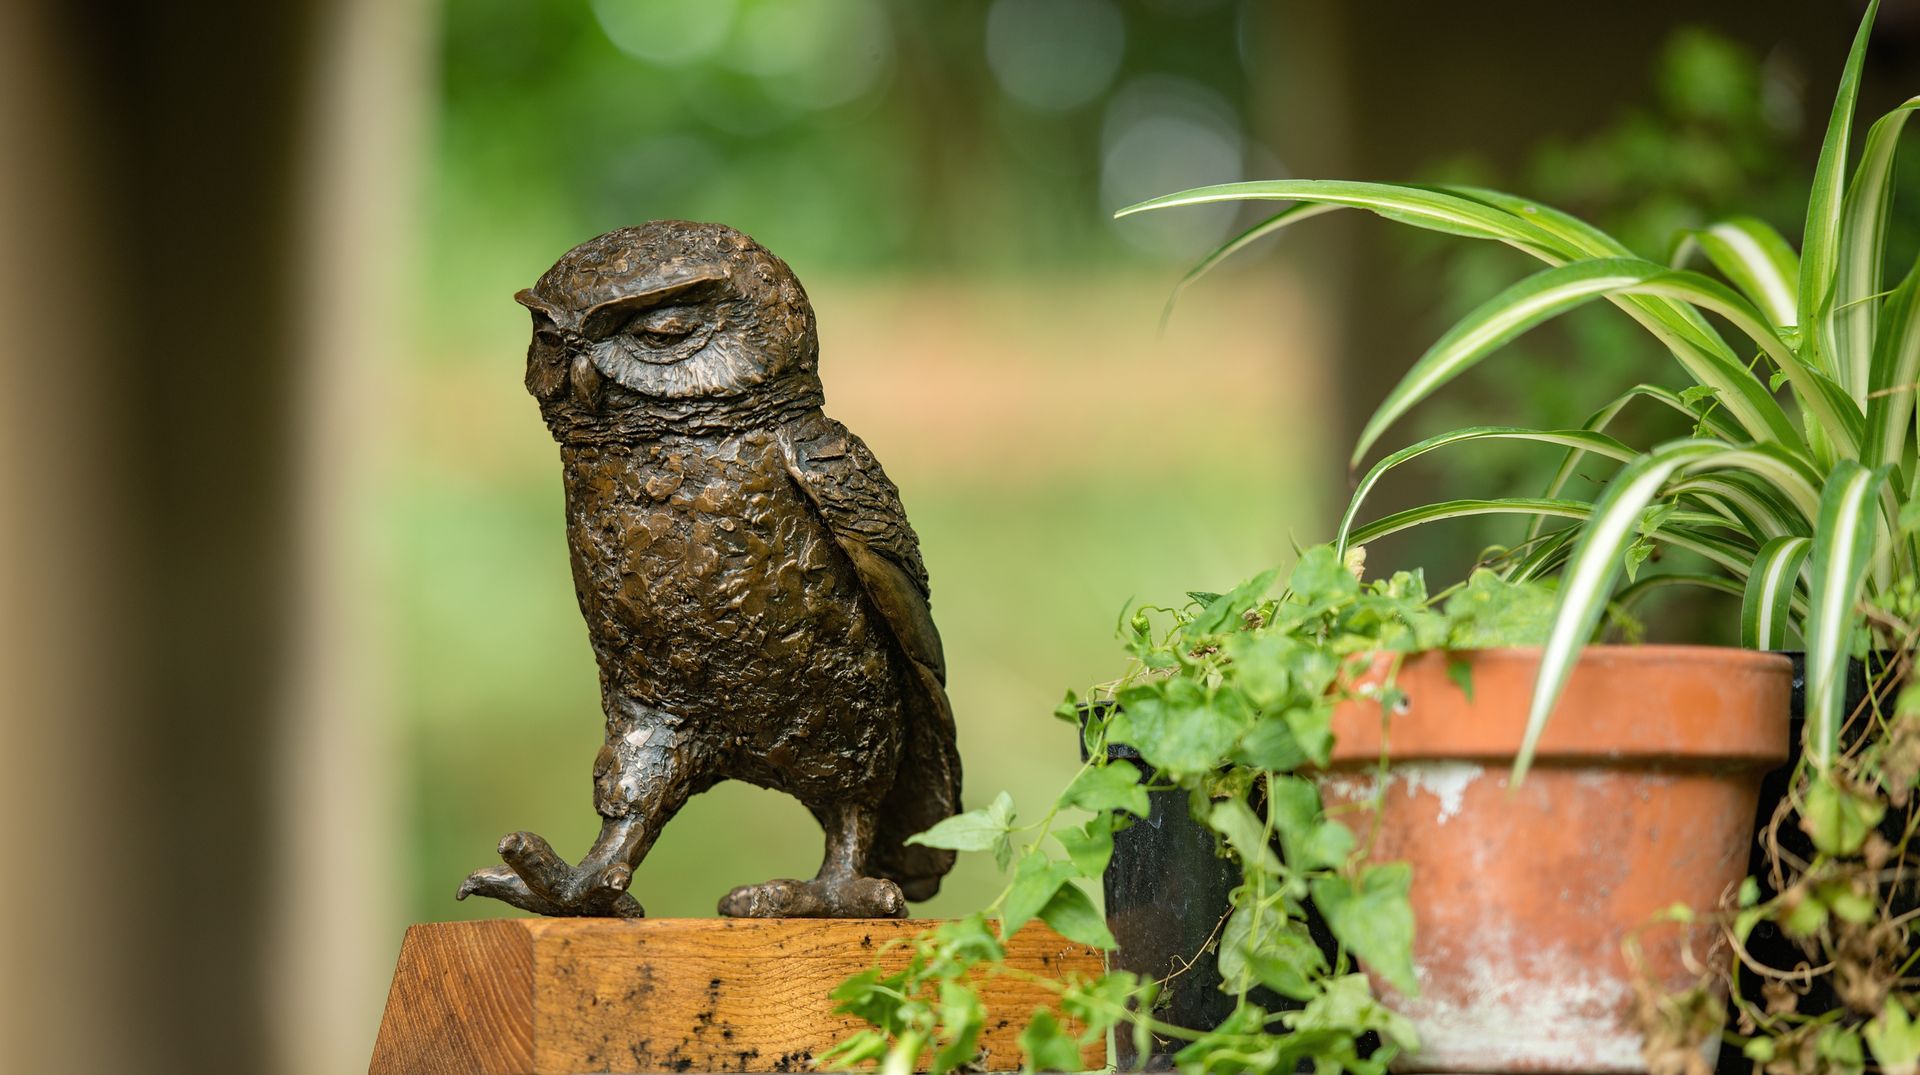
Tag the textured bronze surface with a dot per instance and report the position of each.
(753, 593)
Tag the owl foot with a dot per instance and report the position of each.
(535, 879)
(843, 897)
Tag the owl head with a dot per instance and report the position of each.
(663, 315)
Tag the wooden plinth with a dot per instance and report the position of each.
(528, 996)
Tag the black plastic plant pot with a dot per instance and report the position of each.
(1167, 890)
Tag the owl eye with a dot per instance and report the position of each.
(660, 329)
(662, 338)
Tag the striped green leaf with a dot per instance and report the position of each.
(1843, 544)
(1684, 529)
(1666, 320)
(1597, 561)
(1710, 420)
(1863, 235)
(1820, 244)
(1292, 214)
(1551, 292)
(1579, 440)
(1634, 592)
(1896, 368)
(1753, 256)
(1747, 505)
(1459, 509)
(1766, 605)
(1420, 207)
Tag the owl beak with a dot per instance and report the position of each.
(584, 379)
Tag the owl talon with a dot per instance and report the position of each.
(849, 897)
(538, 880)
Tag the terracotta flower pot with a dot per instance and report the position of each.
(1641, 795)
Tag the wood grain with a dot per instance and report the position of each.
(567, 996)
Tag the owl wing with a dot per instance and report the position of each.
(862, 510)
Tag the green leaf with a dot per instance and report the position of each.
(1224, 612)
(1269, 744)
(1577, 439)
(962, 1017)
(1423, 208)
(1114, 785)
(1843, 542)
(1588, 580)
(1464, 508)
(1272, 949)
(1292, 214)
(858, 1048)
(1298, 822)
(975, 830)
(1819, 254)
(1233, 819)
(1895, 370)
(1840, 1048)
(1894, 1039)
(1178, 728)
(1373, 919)
(1805, 918)
(1073, 916)
(1090, 846)
(1346, 1005)
(1047, 1047)
(1549, 293)
(871, 997)
(1321, 578)
(1035, 881)
(1460, 672)
(1753, 256)
(1838, 821)
(1862, 248)
(1491, 611)
(1766, 605)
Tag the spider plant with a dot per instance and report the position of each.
(1801, 463)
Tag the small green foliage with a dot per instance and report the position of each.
(1493, 611)
(1229, 703)
(1046, 1046)
(1371, 917)
(975, 830)
(1838, 821)
(1894, 1039)
(1114, 786)
(1073, 916)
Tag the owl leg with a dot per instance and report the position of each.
(644, 775)
(840, 890)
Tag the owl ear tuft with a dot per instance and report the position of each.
(531, 301)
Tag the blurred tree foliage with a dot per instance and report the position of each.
(857, 135)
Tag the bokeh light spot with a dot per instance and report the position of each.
(669, 32)
(1054, 54)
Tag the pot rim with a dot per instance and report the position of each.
(1631, 652)
(1624, 705)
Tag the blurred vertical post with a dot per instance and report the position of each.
(193, 249)
(337, 899)
(65, 916)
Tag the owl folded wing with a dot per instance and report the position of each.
(862, 509)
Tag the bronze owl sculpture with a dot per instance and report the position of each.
(754, 596)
